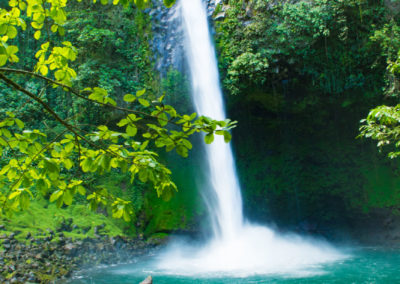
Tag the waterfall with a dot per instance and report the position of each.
(236, 246)
(226, 210)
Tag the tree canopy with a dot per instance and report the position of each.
(53, 164)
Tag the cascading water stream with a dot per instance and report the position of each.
(236, 247)
(207, 97)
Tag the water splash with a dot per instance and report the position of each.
(236, 247)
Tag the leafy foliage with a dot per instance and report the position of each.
(305, 72)
(382, 122)
(52, 165)
(383, 125)
(247, 67)
(324, 45)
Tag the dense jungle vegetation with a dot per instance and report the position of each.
(300, 75)
(84, 121)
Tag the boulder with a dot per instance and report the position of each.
(148, 280)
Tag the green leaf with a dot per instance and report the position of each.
(193, 116)
(24, 200)
(110, 101)
(131, 130)
(45, 46)
(54, 28)
(14, 194)
(59, 202)
(13, 3)
(118, 213)
(69, 147)
(3, 59)
(61, 31)
(60, 75)
(140, 93)
(6, 132)
(126, 216)
(42, 186)
(187, 143)
(67, 198)
(81, 190)
(19, 123)
(56, 195)
(12, 32)
(209, 138)
(227, 136)
(44, 70)
(144, 102)
(102, 128)
(4, 169)
(22, 5)
(170, 110)
(12, 49)
(160, 99)
(129, 98)
(37, 35)
(11, 174)
(162, 119)
(68, 164)
(13, 163)
(160, 142)
(123, 122)
(86, 165)
(182, 151)
(37, 25)
(104, 162)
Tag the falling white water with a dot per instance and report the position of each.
(207, 97)
(236, 247)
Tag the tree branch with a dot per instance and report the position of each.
(51, 111)
(70, 89)
(78, 94)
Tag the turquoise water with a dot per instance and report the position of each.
(366, 265)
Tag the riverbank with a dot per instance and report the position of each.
(45, 243)
(56, 257)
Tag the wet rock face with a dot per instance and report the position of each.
(42, 260)
(212, 4)
(167, 43)
(167, 37)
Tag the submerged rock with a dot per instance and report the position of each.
(148, 280)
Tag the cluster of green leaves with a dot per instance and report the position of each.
(53, 165)
(57, 60)
(383, 125)
(247, 67)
